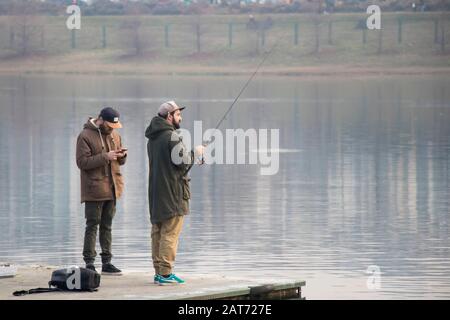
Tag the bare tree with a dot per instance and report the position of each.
(26, 28)
(133, 37)
(198, 31)
(259, 28)
(198, 34)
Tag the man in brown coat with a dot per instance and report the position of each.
(99, 156)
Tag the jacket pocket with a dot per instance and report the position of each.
(95, 182)
(98, 187)
(186, 188)
(95, 178)
(95, 174)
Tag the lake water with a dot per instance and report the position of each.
(363, 179)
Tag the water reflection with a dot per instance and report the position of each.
(368, 183)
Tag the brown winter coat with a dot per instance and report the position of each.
(95, 168)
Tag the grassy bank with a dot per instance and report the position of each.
(328, 44)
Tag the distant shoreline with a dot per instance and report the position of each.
(198, 70)
(85, 64)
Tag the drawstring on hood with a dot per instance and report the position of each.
(92, 120)
(90, 124)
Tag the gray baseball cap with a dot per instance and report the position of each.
(168, 107)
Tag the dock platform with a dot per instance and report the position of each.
(134, 285)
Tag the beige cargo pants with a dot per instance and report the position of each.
(165, 243)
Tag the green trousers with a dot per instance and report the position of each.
(98, 213)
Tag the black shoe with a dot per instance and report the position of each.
(90, 266)
(110, 269)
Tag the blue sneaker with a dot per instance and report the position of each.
(156, 279)
(172, 279)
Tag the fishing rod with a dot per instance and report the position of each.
(266, 54)
(245, 86)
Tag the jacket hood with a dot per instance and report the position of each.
(90, 124)
(157, 126)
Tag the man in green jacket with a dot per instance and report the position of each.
(168, 190)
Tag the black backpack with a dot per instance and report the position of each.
(70, 279)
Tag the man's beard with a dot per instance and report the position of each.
(176, 125)
(105, 129)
